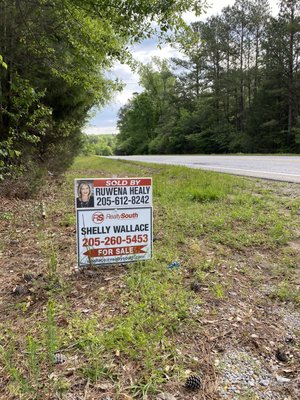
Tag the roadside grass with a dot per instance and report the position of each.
(287, 292)
(120, 328)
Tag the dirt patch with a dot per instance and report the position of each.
(295, 245)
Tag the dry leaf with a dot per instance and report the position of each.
(282, 379)
(125, 396)
(104, 386)
(287, 370)
(166, 396)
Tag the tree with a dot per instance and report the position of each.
(137, 122)
(289, 47)
(102, 145)
(192, 67)
(236, 88)
(277, 102)
(147, 115)
(59, 50)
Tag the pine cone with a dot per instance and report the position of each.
(59, 358)
(193, 382)
(196, 287)
(282, 356)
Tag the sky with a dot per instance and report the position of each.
(104, 121)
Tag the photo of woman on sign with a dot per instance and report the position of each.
(85, 197)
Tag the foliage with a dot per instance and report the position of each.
(2, 63)
(53, 59)
(140, 119)
(102, 145)
(235, 90)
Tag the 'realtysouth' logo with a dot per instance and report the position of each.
(98, 217)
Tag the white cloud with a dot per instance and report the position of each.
(121, 70)
(100, 130)
(145, 56)
(126, 94)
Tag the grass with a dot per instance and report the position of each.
(287, 292)
(131, 329)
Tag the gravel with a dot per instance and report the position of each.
(290, 318)
(242, 374)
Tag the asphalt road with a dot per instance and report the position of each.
(280, 168)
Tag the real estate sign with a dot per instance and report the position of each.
(114, 220)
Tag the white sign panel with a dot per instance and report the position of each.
(114, 236)
(114, 220)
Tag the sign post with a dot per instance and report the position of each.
(114, 220)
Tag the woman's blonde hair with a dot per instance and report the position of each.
(80, 187)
